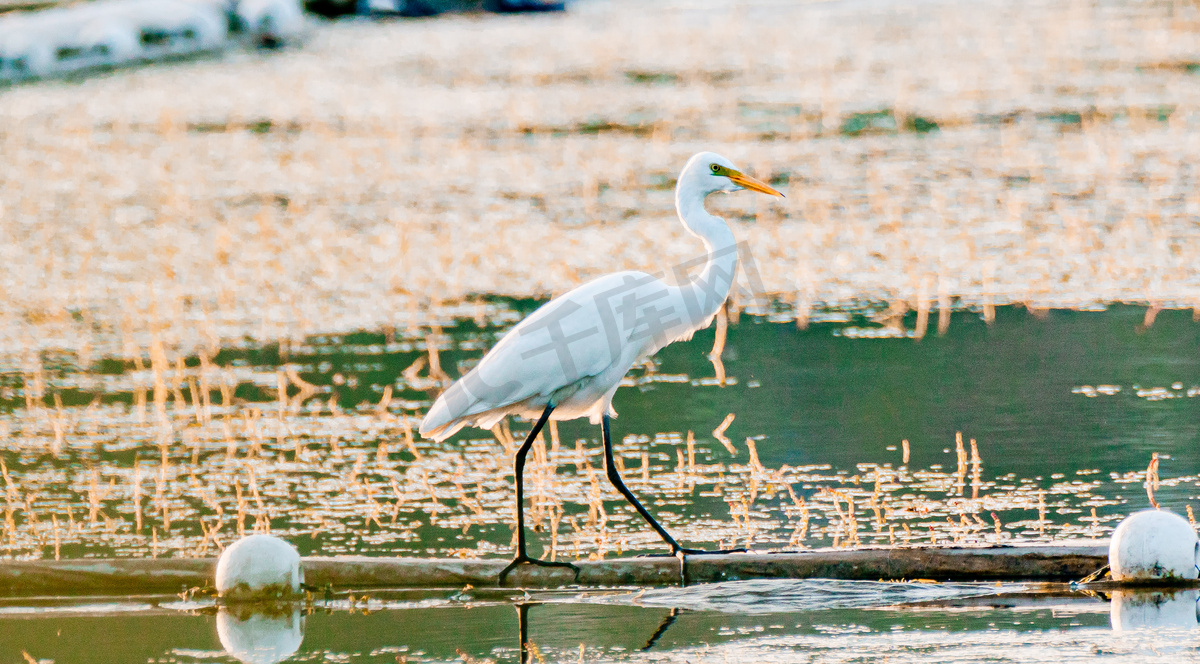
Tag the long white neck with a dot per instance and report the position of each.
(704, 294)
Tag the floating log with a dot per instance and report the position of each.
(145, 576)
(105, 576)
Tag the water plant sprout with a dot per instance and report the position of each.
(566, 360)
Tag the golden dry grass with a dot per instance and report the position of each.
(385, 174)
(347, 482)
(386, 171)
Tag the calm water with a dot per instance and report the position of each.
(825, 397)
(859, 621)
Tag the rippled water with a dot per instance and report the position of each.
(892, 622)
(776, 595)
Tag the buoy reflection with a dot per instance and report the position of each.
(1154, 609)
(260, 634)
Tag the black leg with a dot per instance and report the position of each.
(610, 466)
(615, 477)
(519, 472)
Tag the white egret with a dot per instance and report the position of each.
(566, 359)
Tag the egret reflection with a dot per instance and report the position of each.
(260, 634)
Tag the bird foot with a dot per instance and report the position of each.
(709, 552)
(526, 560)
(681, 554)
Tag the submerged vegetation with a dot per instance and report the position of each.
(232, 287)
(191, 254)
(168, 455)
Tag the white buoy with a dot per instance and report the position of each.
(259, 567)
(1154, 545)
(1132, 609)
(260, 637)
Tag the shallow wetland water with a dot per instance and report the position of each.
(844, 433)
(233, 285)
(1062, 434)
(788, 621)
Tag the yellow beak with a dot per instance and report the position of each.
(747, 182)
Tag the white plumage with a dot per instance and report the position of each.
(1154, 545)
(574, 350)
(567, 359)
(259, 567)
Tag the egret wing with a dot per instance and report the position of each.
(573, 337)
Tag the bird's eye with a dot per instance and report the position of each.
(716, 169)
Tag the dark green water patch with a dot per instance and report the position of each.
(1032, 428)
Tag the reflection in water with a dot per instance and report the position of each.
(1146, 609)
(761, 596)
(523, 631)
(668, 620)
(263, 634)
(528, 648)
(1042, 626)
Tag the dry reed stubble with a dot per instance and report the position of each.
(198, 194)
(176, 212)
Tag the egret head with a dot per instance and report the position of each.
(709, 172)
